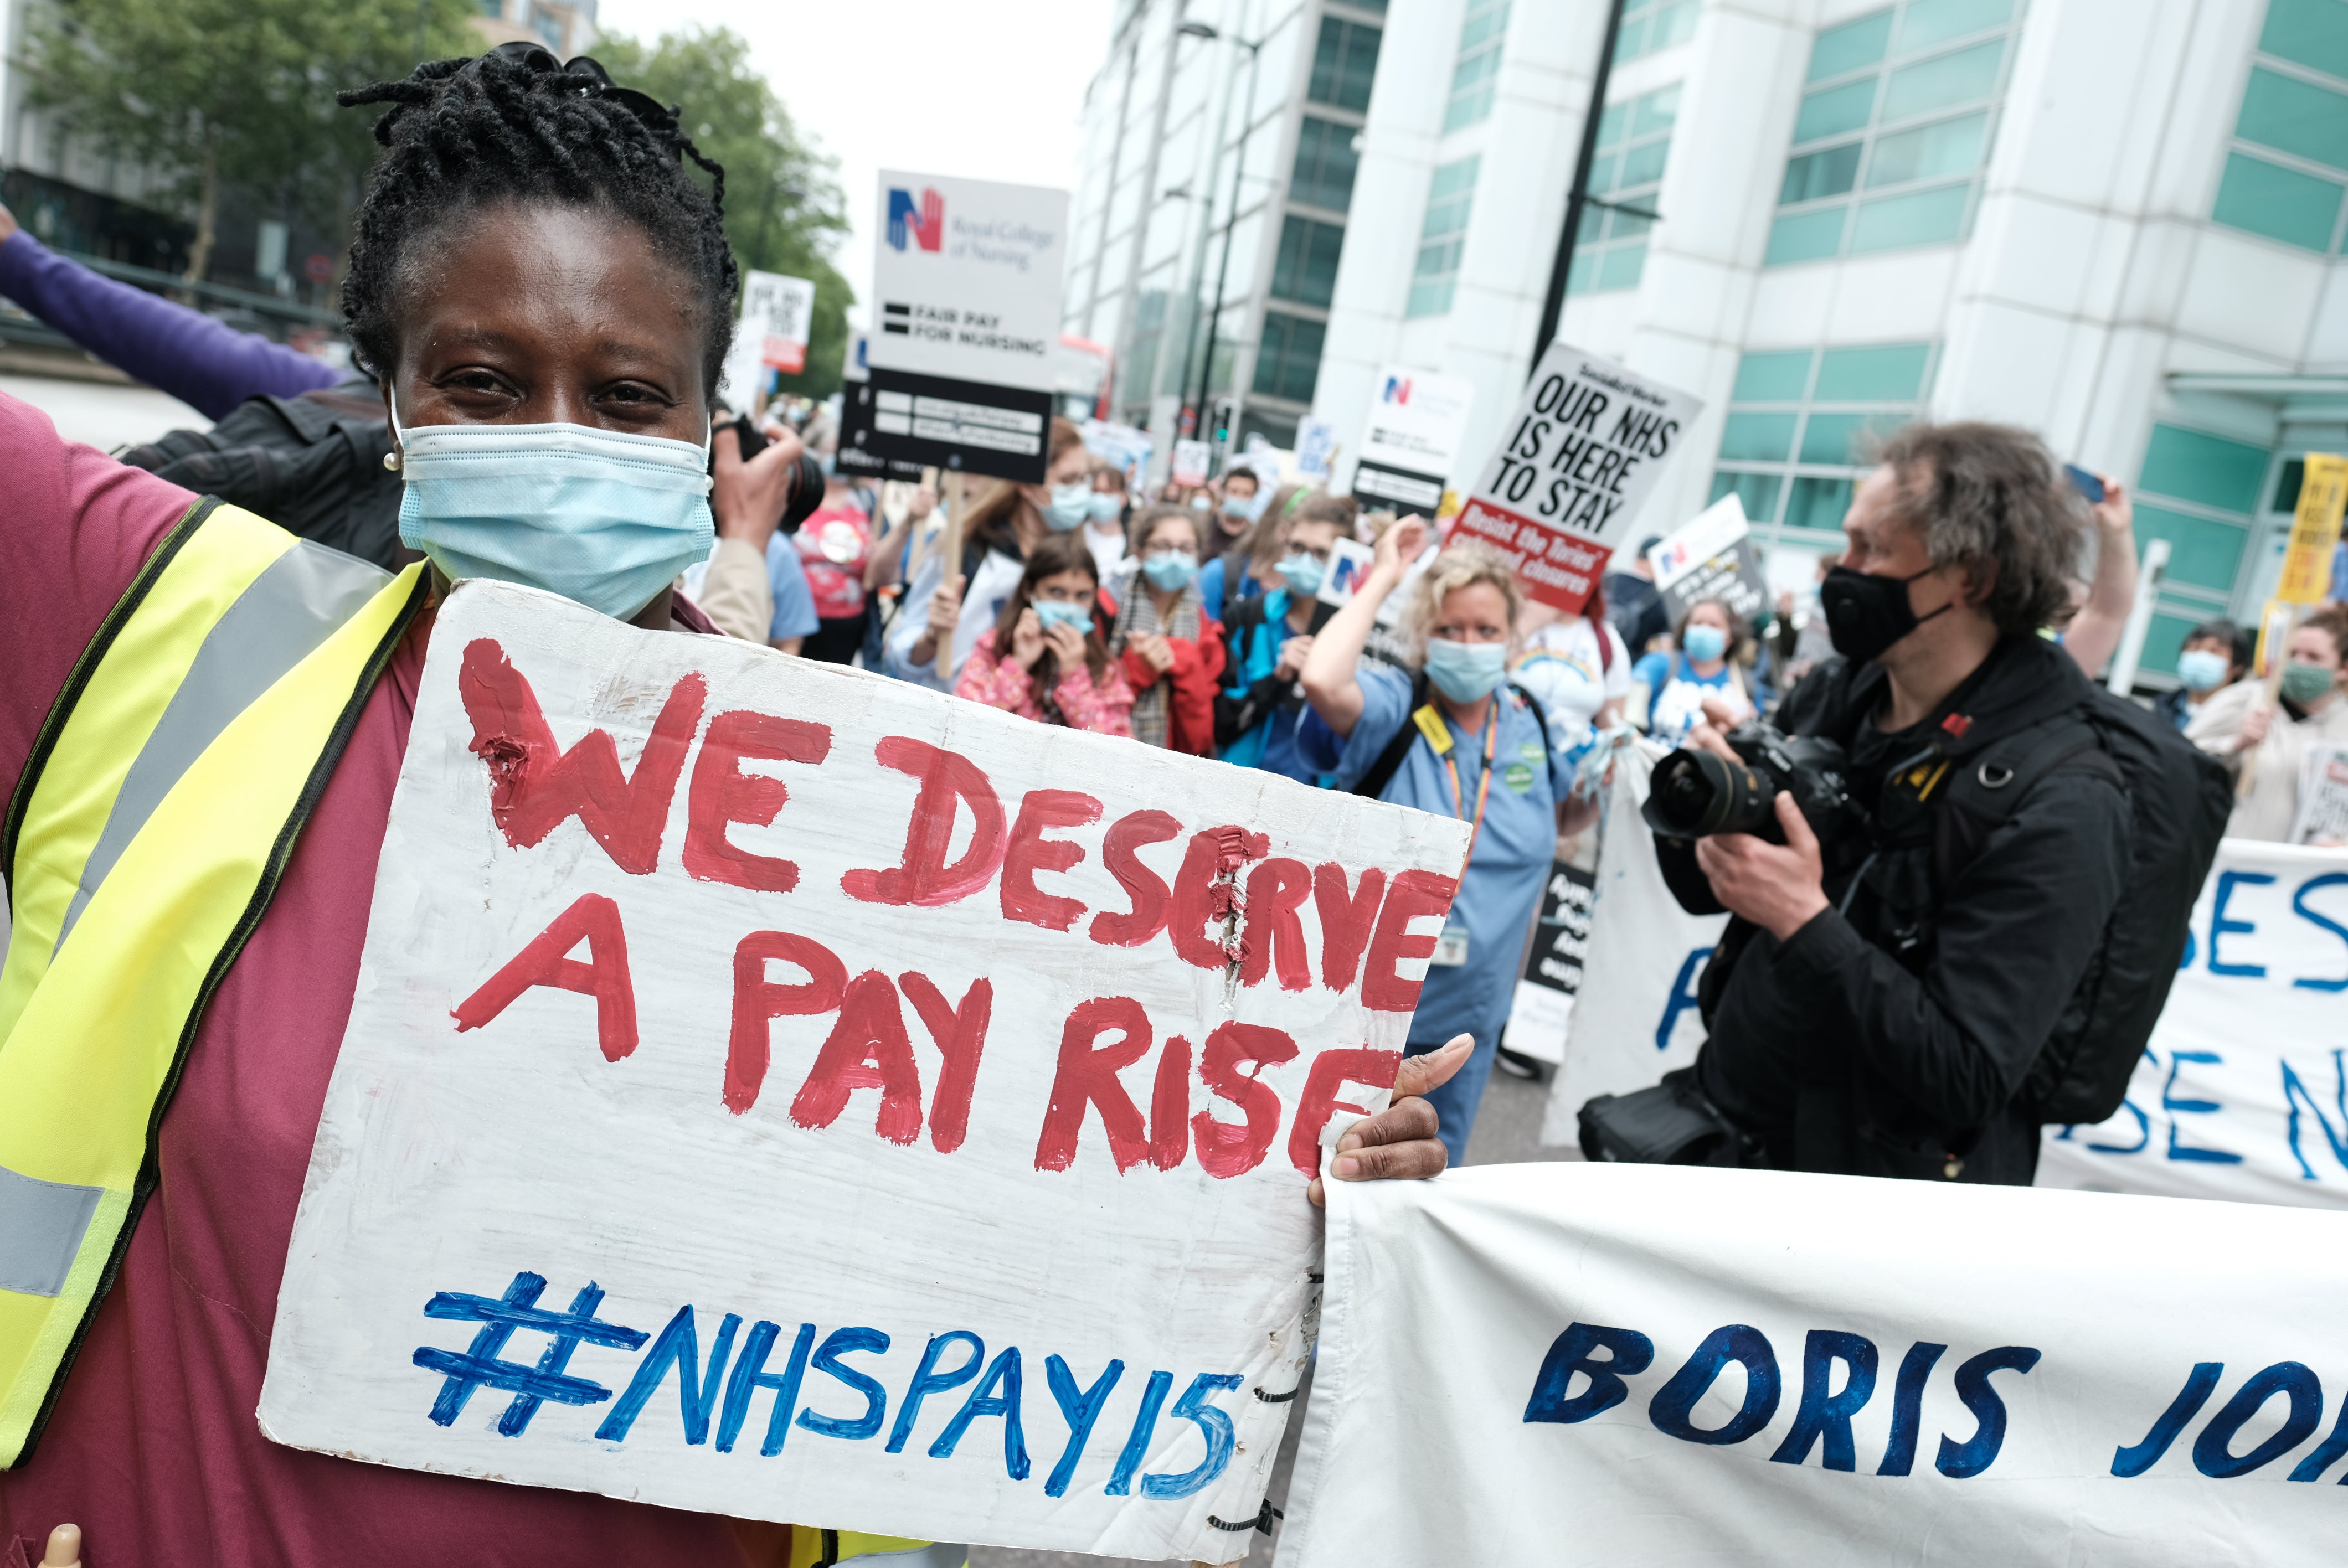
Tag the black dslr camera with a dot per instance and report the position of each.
(1695, 794)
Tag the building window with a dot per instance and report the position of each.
(1652, 25)
(1479, 67)
(1325, 163)
(1442, 237)
(2199, 492)
(1798, 425)
(1894, 128)
(1139, 374)
(1344, 62)
(2287, 163)
(1305, 269)
(1633, 138)
(1290, 360)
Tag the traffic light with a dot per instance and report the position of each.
(1227, 418)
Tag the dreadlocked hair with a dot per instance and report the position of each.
(516, 125)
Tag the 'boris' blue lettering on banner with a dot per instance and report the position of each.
(719, 1389)
(1838, 1380)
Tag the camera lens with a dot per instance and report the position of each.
(1695, 794)
(1684, 793)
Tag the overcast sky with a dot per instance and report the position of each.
(986, 90)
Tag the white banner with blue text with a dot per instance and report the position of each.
(2241, 1093)
(776, 1091)
(1598, 1365)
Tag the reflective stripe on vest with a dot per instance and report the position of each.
(155, 814)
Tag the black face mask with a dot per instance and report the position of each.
(1867, 614)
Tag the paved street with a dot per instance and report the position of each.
(1508, 1128)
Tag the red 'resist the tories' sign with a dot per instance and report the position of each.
(1580, 457)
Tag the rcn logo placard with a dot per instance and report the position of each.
(926, 224)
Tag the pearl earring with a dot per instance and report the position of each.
(391, 462)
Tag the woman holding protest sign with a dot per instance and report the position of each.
(2266, 749)
(1171, 649)
(1002, 526)
(1045, 660)
(547, 294)
(1454, 739)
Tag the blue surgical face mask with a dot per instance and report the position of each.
(1077, 615)
(2202, 670)
(1202, 502)
(1250, 508)
(1303, 573)
(1170, 570)
(1466, 671)
(1071, 505)
(606, 517)
(1704, 643)
(1106, 506)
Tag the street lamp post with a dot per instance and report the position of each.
(1190, 327)
(1578, 201)
(1231, 219)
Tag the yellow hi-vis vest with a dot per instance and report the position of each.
(155, 815)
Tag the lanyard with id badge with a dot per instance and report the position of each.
(1451, 947)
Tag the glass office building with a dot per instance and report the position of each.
(1826, 217)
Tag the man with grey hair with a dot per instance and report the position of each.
(1897, 1000)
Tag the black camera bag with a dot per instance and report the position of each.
(1671, 1123)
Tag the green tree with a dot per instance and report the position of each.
(784, 209)
(214, 94)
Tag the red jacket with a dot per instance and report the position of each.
(1190, 701)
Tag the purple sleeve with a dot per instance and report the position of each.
(211, 367)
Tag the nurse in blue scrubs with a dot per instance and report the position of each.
(1477, 751)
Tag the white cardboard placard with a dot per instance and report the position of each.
(966, 279)
(1581, 455)
(753, 1075)
(1410, 441)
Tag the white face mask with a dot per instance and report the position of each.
(604, 517)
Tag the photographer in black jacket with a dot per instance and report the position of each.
(1879, 1003)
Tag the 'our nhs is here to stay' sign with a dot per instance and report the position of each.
(775, 1090)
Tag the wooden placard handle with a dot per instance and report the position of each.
(950, 561)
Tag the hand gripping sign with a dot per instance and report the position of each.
(1580, 1365)
(778, 1091)
(1580, 456)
